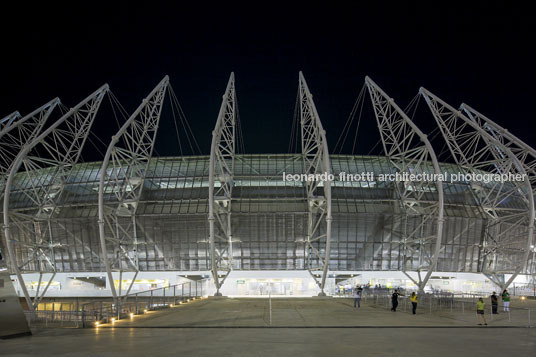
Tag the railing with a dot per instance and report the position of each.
(455, 307)
(134, 303)
(49, 318)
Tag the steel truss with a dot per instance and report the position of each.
(16, 134)
(316, 162)
(122, 178)
(524, 152)
(221, 176)
(475, 150)
(57, 149)
(421, 202)
(8, 120)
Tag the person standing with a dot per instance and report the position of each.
(357, 297)
(506, 300)
(394, 300)
(414, 300)
(480, 310)
(494, 303)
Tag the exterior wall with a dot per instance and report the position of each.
(269, 221)
(262, 283)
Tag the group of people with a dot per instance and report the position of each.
(358, 291)
(480, 305)
(414, 299)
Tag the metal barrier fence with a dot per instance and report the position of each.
(460, 307)
(106, 311)
(49, 318)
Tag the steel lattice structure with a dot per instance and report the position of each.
(123, 171)
(409, 150)
(221, 175)
(8, 120)
(524, 152)
(315, 162)
(475, 150)
(134, 212)
(62, 144)
(15, 135)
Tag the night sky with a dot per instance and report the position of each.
(481, 54)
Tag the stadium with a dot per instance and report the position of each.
(236, 220)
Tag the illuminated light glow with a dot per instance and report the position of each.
(131, 315)
(97, 324)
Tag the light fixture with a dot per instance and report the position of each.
(131, 315)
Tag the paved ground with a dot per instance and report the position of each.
(240, 327)
(312, 312)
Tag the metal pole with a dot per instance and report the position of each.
(270, 298)
(118, 307)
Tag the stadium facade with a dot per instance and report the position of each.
(142, 220)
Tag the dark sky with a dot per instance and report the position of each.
(480, 53)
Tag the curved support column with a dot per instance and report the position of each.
(512, 205)
(221, 170)
(62, 145)
(410, 151)
(315, 161)
(122, 177)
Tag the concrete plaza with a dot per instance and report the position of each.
(312, 327)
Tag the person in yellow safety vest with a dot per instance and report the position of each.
(414, 300)
(480, 310)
